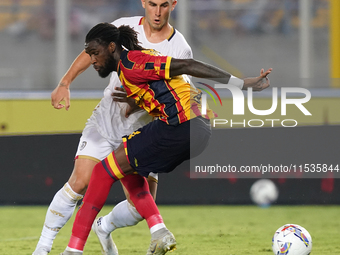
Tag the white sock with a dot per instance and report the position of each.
(157, 227)
(58, 213)
(72, 249)
(122, 215)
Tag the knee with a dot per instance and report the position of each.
(152, 191)
(153, 184)
(80, 177)
(78, 185)
(129, 199)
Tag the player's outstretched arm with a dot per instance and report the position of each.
(258, 83)
(203, 70)
(62, 91)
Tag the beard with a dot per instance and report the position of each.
(109, 66)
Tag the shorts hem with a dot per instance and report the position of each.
(88, 157)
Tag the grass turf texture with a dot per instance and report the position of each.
(198, 229)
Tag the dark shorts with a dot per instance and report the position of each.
(159, 148)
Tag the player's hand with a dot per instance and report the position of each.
(258, 83)
(121, 96)
(59, 94)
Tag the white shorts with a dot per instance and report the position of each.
(95, 147)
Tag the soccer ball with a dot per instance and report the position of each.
(292, 239)
(264, 192)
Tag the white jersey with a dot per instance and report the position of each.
(109, 116)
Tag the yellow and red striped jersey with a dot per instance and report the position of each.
(145, 77)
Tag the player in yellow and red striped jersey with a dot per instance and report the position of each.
(105, 127)
(145, 74)
(159, 146)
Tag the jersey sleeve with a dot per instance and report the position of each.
(118, 22)
(186, 53)
(139, 68)
(128, 21)
(181, 48)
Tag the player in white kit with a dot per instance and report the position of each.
(106, 126)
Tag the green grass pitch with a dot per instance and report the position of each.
(208, 230)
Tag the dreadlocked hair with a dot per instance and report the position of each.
(104, 33)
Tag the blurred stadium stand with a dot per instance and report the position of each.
(241, 36)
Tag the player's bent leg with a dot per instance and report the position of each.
(112, 168)
(153, 184)
(165, 241)
(162, 240)
(58, 213)
(80, 177)
(63, 204)
(124, 214)
(108, 247)
(104, 174)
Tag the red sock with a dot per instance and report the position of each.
(104, 174)
(138, 189)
